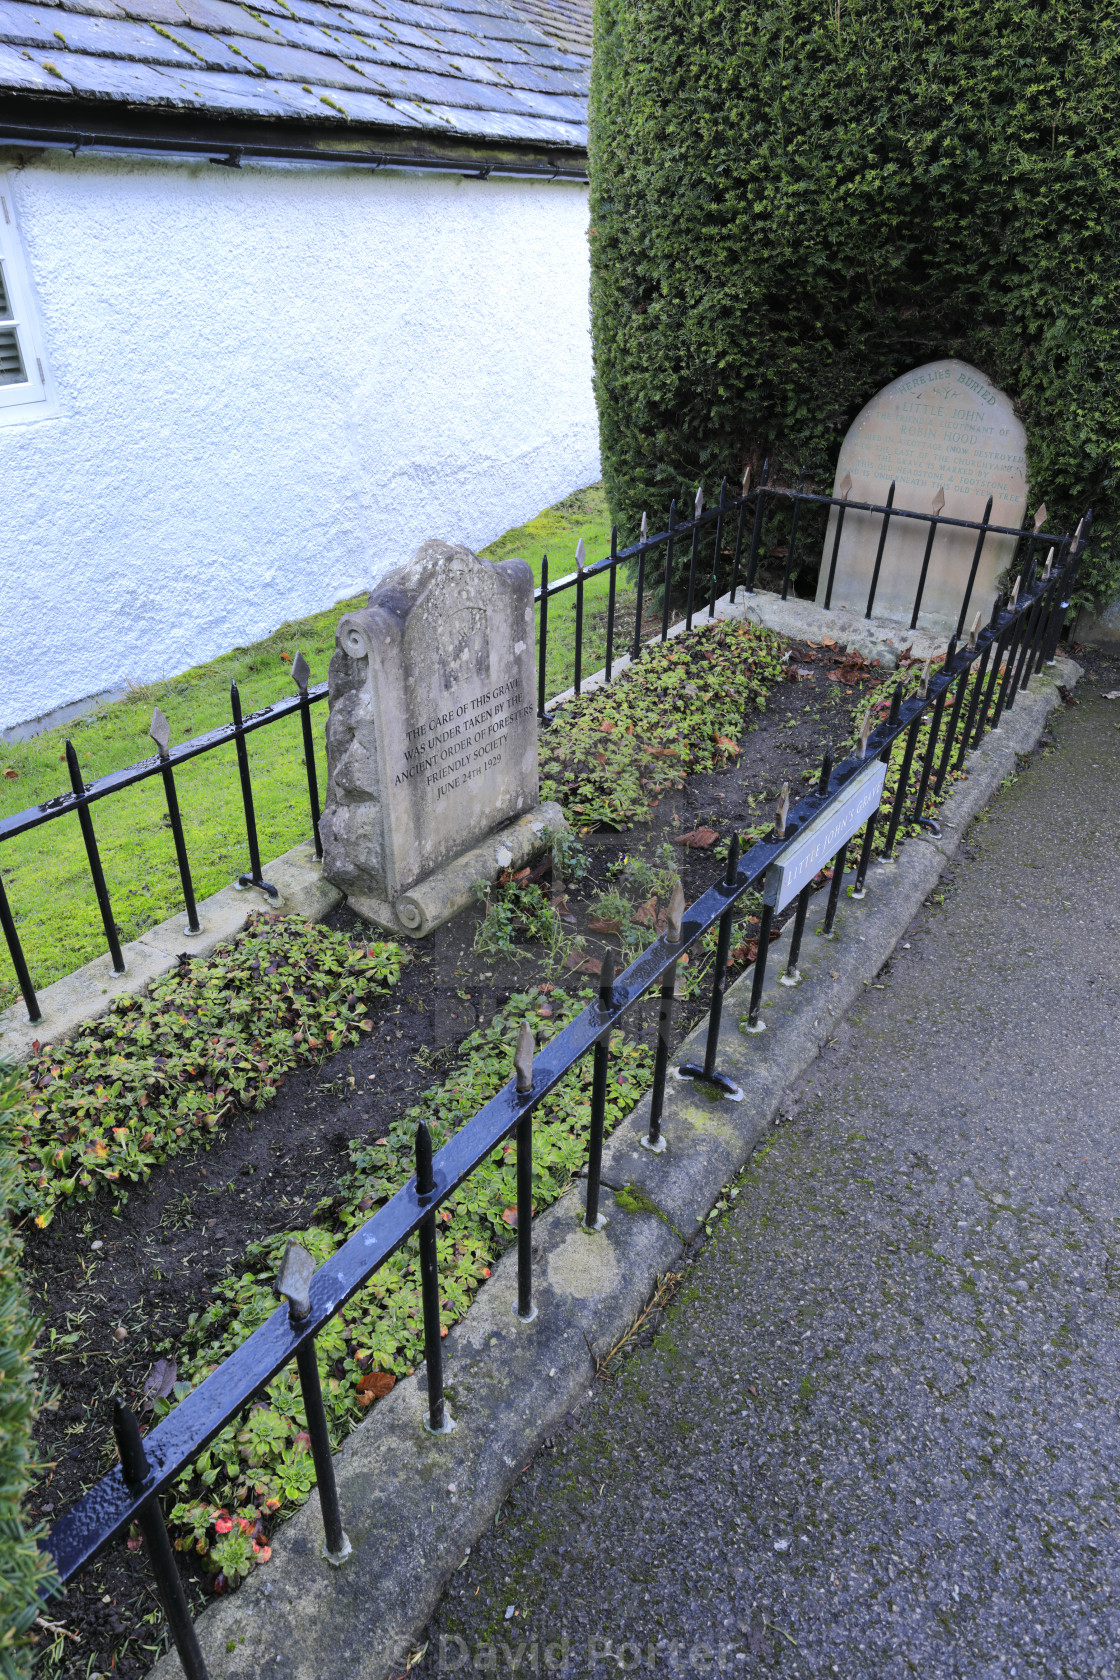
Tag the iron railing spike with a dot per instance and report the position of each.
(523, 1057)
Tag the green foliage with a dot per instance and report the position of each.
(569, 855)
(145, 1081)
(25, 1572)
(679, 708)
(517, 914)
(262, 1465)
(794, 202)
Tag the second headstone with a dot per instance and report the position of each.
(942, 428)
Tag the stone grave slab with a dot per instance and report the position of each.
(432, 736)
(941, 428)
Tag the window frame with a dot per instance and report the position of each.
(34, 398)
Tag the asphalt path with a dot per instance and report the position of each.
(877, 1433)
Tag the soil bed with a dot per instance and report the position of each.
(107, 1308)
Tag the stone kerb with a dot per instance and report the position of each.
(945, 428)
(432, 737)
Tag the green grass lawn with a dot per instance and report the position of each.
(45, 872)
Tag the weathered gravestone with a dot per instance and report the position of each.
(941, 428)
(432, 739)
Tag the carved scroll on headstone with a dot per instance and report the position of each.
(432, 738)
(942, 428)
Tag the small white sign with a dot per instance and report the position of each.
(823, 837)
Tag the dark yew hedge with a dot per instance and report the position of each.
(793, 203)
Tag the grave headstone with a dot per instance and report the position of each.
(432, 734)
(941, 430)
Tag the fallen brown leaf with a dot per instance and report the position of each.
(575, 964)
(376, 1384)
(160, 1380)
(603, 924)
(697, 839)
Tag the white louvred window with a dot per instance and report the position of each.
(12, 370)
(25, 387)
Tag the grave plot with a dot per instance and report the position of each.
(184, 1264)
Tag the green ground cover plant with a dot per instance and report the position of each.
(794, 203)
(261, 1466)
(158, 1072)
(25, 1572)
(45, 872)
(611, 754)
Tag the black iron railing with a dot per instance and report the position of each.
(1021, 635)
(164, 764)
(653, 559)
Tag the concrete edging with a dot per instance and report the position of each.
(413, 1503)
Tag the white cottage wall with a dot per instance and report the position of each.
(272, 385)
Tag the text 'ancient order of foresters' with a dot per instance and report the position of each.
(464, 742)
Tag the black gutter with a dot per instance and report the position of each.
(231, 154)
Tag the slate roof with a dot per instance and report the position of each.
(507, 71)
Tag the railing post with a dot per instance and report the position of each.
(668, 570)
(698, 510)
(1011, 653)
(934, 733)
(998, 650)
(93, 857)
(756, 529)
(523, 1069)
(879, 551)
(954, 720)
(791, 974)
(542, 645)
(301, 674)
(1043, 607)
(654, 1142)
(792, 536)
(707, 1070)
(859, 888)
(766, 920)
(254, 877)
(715, 556)
(608, 662)
(136, 1471)
(19, 961)
(160, 733)
(839, 864)
(845, 488)
(739, 531)
(440, 1421)
(904, 774)
(593, 1219)
(639, 609)
(974, 568)
(937, 504)
(581, 557)
(977, 688)
(294, 1282)
(1065, 587)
